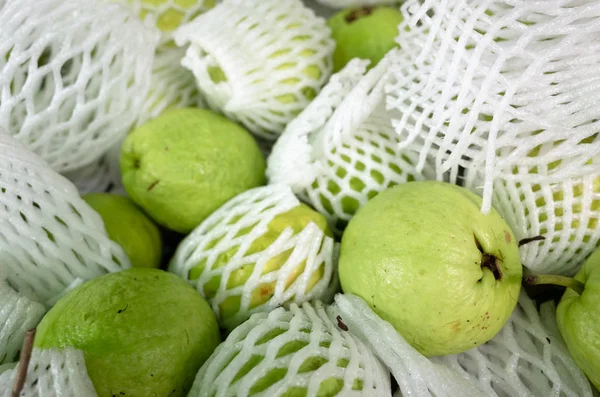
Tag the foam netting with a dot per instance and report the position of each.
(482, 85)
(168, 15)
(52, 373)
(342, 150)
(526, 358)
(295, 351)
(73, 75)
(221, 246)
(50, 239)
(171, 86)
(18, 314)
(356, 3)
(259, 62)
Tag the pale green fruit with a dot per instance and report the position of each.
(129, 227)
(425, 258)
(144, 332)
(578, 318)
(170, 14)
(366, 33)
(186, 163)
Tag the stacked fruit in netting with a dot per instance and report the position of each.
(299, 198)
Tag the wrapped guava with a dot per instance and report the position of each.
(50, 239)
(259, 63)
(342, 150)
(297, 352)
(260, 250)
(74, 75)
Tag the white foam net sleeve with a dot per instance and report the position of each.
(356, 3)
(342, 150)
(258, 62)
(482, 84)
(52, 373)
(227, 236)
(18, 314)
(73, 75)
(565, 213)
(526, 358)
(302, 349)
(49, 237)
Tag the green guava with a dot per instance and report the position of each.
(144, 332)
(129, 227)
(186, 163)
(367, 33)
(425, 259)
(172, 16)
(297, 218)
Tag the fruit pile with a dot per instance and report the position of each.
(289, 198)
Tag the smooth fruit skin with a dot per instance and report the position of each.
(144, 332)
(129, 227)
(366, 33)
(411, 254)
(578, 319)
(186, 163)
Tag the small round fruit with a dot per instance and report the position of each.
(186, 163)
(367, 33)
(129, 227)
(144, 332)
(425, 258)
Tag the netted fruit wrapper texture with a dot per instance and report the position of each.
(236, 262)
(18, 314)
(501, 96)
(49, 237)
(259, 63)
(300, 351)
(342, 150)
(171, 86)
(526, 358)
(73, 76)
(52, 373)
(357, 3)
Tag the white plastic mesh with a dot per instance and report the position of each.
(482, 84)
(168, 15)
(526, 358)
(301, 348)
(566, 213)
(73, 75)
(356, 3)
(341, 150)
(49, 237)
(274, 56)
(229, 233)
(18, 314)
(52, 373)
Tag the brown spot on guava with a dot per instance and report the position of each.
(507, 237)
(359, 13)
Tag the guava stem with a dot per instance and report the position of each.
(569, 282)
(23, 365)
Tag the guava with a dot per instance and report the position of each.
(297, 218)
(129, 227)
(144, 332)
(427, 260)
(186, 163)
(367, 33)
(578, 314)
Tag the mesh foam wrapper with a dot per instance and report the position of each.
(49, 237)
(168, 15)
(18, 314)
(237, 224)
(356, 3)
(565, 213)
(52, 373)
(280, 344)
(275, 55)
(526, 358)
(73, 75)
(480, 84)
(171, 86)
(342, 150)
